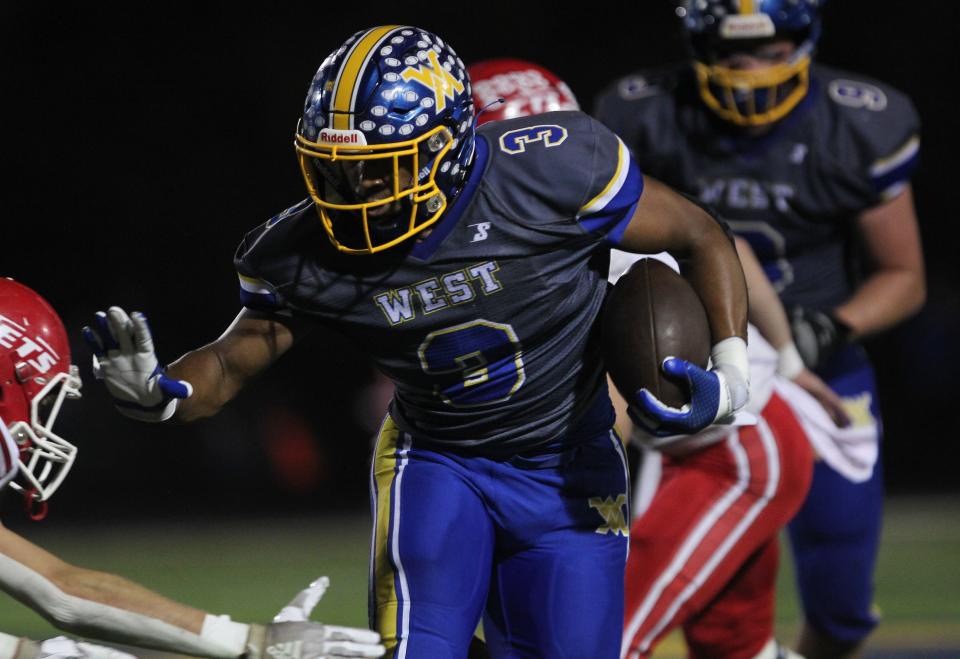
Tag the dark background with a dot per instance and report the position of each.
(140, 143)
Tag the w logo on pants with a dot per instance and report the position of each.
(611, 510)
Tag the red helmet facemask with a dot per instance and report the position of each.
(36, 376)
(526, 89)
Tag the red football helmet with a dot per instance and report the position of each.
(526, 88)
(36, 376)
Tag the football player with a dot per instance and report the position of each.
(703, 547)
(471, 265)
(36, 379)
(809, 164)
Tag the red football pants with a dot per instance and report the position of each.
(704, 554)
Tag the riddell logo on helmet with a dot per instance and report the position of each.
(747, 26)
(347, 137)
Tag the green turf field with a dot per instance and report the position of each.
(252, 568)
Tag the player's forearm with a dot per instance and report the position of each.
(766, 311)
(107, 607)
(116, 591)
(667, 221)
(213, 384)
(219, 370)
(886, 298)
(715, 273)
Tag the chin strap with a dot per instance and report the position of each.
(34, 507)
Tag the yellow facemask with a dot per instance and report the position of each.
(348, 224)
(753, 97)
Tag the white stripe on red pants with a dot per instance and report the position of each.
(713, 511)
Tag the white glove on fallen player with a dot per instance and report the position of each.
(61, 647)
(124, 358)
(292, 636)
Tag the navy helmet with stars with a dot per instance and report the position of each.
(715, 28)
(386, 137)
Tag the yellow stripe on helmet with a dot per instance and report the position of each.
(344, 94)
(748, 7)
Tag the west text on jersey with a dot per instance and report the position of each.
(438, 293)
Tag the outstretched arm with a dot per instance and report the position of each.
(196, 385)
(219, 370)
(110, 608)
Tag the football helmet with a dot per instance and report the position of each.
(526, 88)
(36, 376)
(756, 96)
(386, 137)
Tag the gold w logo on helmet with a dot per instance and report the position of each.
(435, 77)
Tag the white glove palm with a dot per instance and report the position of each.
(124, 358)
(292, 636)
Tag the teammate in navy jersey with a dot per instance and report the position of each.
(809, 164)
(471, 265)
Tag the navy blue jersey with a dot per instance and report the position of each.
(485, 325)
(794, 192)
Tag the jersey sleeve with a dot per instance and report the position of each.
(609, 211)
(563, 174)
(265, 263)
(884, 130)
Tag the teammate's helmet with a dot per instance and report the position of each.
(759, 96)
(526, 88)
(386, 137)
(36, 376)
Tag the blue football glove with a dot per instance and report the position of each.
(715, 394)
(125, 360)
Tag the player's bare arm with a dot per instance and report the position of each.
(108, 607)
(769, 316)
(666, 221)
(198, 384)
(88, 585)
(219, 370)
(896, 286)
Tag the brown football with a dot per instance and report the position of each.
(653, 313)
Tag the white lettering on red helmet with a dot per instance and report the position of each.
(33, 350)
(344, 137)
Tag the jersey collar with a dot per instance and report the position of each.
(425, 249)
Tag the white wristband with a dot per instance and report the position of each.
(730, 362)
(789, 362)
(8, 646)
(226, 633)
(732, 351)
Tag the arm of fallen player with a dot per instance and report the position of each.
(110, 608)
(292, 635)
